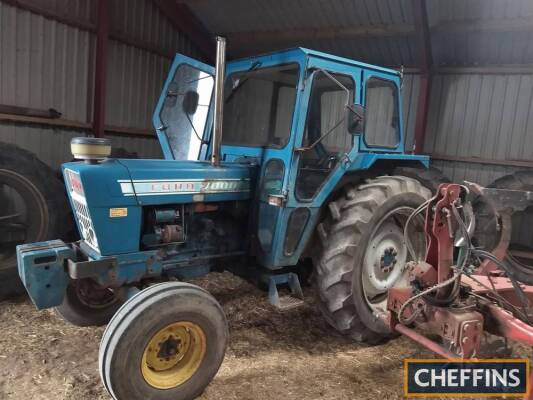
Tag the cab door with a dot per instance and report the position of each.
(323, 150)
(183, 113)
(326, 146)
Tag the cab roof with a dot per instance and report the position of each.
(304, 52)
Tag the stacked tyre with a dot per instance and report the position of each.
(520, 254)
(33, 207)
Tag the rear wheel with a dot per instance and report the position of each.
(33, 208)
(364, 254)
(88, 304)
(166, 342)
(429, 177)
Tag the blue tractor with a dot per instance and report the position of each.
(275, 165)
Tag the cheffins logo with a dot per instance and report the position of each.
(469, 378)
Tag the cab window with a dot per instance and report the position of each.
(325, 130)
(259, 106)
(382, 118)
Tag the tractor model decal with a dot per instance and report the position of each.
(189, 186)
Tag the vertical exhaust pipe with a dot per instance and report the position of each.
(219, 99)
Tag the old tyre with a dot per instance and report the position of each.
(166, 342)
(363, 253)
(487, 232)
(33, 207)
(88, 304)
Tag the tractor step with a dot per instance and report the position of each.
(288, 302)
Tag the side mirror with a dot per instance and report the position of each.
(190, 102)
(355, 119)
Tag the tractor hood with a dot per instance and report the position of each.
(125, 182)
(163, 181)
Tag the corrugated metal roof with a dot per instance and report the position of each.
(483, 48)
(450, 10)
(378, 51)
(455, 47)
(275, 15)
(479, 46)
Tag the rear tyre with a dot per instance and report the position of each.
(33, 207)
(429, 177)
(487, 227)
(88, 304)
(363, 253)
(167, 342)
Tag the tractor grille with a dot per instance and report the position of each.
(85, 223)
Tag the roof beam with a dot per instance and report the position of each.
(393, 30)
(485, 25)
(183, 20)
(295, 35)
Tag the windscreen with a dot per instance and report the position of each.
(185, 110)
(259, 105)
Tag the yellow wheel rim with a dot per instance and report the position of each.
(173, 355)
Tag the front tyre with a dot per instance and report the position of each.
(363, 253)
(167, 342)
(88, 304)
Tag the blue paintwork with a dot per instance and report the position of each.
(41, 269)
(102, 192)
(120, 237)
(359, 158)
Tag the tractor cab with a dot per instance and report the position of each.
(305, 119)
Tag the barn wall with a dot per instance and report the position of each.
(52, 146)
(43, 64)
(47, 64)
(480, 116)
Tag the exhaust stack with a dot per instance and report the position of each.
(219, 99)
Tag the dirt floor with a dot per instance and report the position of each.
(293, 355)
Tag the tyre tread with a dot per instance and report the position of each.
(334, 265)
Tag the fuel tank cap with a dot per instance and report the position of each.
(89, 148)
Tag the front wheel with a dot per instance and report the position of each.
(364, 253)
(88, 304)
(166, 342)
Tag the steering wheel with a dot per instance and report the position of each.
(328, 161)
